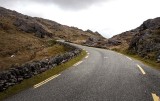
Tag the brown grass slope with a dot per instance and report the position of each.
(43, 27)
(24, 38)
(72, 34)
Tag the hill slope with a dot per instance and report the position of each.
(143, 41)
(23, 38)
(43, 27)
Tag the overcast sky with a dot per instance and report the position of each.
(108, 17)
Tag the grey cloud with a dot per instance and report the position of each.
(64, 4)
(8, 3)
(76, 4)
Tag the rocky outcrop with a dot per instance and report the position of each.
(31, 26)
(95, 42)
(16, 74)
(120, 42)
(146, 43)
(143, 41)
(151, 24)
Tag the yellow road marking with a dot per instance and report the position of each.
(45, 81)
(155, 97)
(143, 72)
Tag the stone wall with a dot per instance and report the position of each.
(17, 74)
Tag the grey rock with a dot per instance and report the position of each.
(31, 26)
(16, 74)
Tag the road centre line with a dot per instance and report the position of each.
(143, 72)
(155, 97)
(45, 81)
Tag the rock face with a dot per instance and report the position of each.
(146, 43)
(31, 26)
(143, 41)
(95, 42)
(121, 42)
(16, 74)
(152, 24)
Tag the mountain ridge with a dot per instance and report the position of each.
(23, 37)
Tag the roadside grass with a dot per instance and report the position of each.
(31, 49)
(28, 83)
(50, 51)
(148, 62)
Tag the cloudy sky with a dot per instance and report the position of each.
(108, 17)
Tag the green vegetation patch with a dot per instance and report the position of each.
(40, 77)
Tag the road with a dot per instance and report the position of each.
(103, 75)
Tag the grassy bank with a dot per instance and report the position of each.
(149, 62)
(29, 50)
(38, 78)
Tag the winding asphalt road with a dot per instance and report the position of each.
(102, 75)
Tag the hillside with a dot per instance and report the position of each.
(143, 41)
(146, 43)
(24, 38)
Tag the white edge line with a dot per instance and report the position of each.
(45, 81)
(78, 63)
(143, 72)
(128, 58)
(119, 53)
(86, 57)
